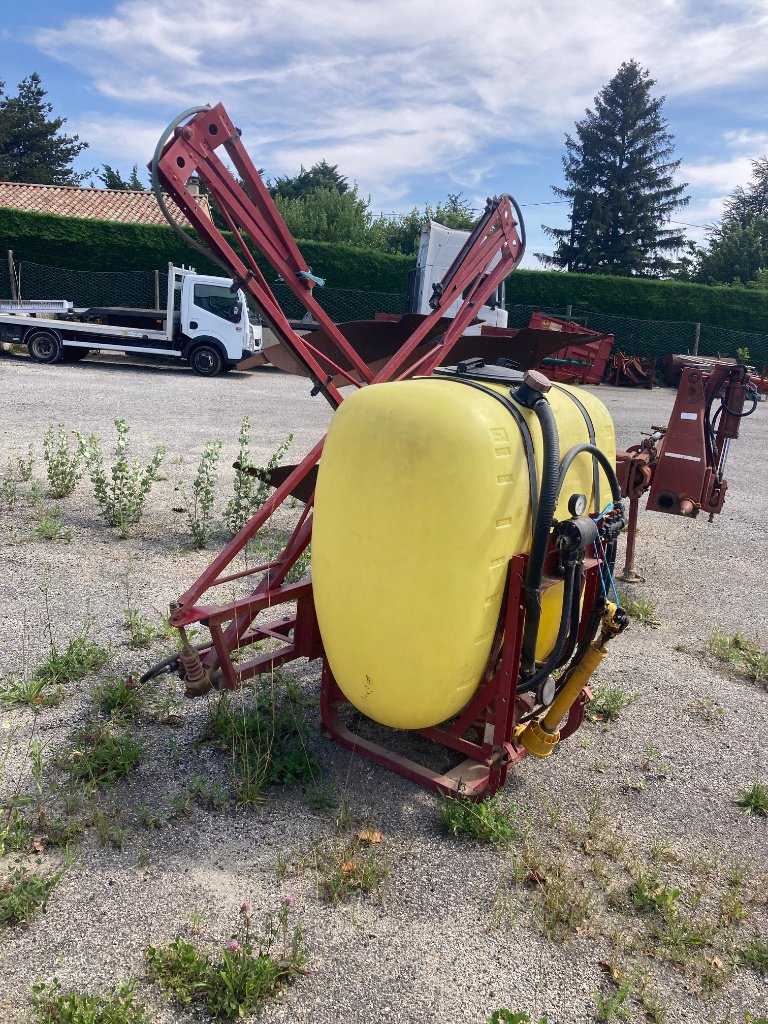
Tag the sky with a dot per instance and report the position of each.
(413, 99)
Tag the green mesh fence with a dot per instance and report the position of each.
(143, 289)
(657, 338)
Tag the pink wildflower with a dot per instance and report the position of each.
(233, 946)
(288, 900)
(245, 907)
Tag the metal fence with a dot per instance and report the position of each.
(657, 338)
(146, 289)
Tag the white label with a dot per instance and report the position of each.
(689, 415)
(688, 458)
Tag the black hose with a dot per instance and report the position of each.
(541, 530)
(565, 629)
(602, 458)
(573, 632)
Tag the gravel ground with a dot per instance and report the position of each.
(451, 938)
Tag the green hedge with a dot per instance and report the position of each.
(79, 244)
(741, 309)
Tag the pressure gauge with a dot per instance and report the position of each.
(577, 504)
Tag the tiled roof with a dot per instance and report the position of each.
(91, 203)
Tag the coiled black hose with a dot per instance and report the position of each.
(540, 540)
(568, 629)
(602, 458)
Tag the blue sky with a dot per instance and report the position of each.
(412, 98)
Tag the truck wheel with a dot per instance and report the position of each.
(44, 346)
(206, 361)
(74, 355)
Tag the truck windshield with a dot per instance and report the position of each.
(218, 300)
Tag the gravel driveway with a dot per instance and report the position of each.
(456, 930)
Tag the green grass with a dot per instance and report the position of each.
(755, 955)
(505, 1016)
(53, 1005)
(32, 693)
(22, 895)
(491, 821)
(119, 697)
(142, 633)
(350, 865)
(239, 979)
(607, 704)
(745, 656)
(613, 1005)
(80, 657)
(100, 754)
(754, 800)
(640, 610)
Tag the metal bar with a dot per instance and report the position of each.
(628, 574)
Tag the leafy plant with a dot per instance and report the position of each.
(200, 508)
(122, 491)
(55, 1006)
(100, 754)
(142, 633)
(754, 799)
(743, 654)
(51, 526)
(119, 697)
(646, 894)
(25, 465)
(63, 462)
(81, 656)
(607, 704)
(22, 895)
(9, 491)
(489, 821)
(641, 610)
(251, 487)
(34, 693)
(504, 1016)
(250, 969)
(755, 955)
(351, 864)
(611, 1005)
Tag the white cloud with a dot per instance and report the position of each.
(392, 90)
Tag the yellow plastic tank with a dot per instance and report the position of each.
(422, 498)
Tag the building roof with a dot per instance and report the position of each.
(123, 205)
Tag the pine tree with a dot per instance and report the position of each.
(112, 178)
(737, 250)
(31, 148)
(321, 175)
(620, 183)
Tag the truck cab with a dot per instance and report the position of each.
(215, 329)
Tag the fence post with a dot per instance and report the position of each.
(568, 311)
(157, 291)
(696, 334)
(12, 276)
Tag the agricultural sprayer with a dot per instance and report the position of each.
(463, 511)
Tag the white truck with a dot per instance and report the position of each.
(206, 323)
(438, 248)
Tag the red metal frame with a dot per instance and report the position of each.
(492, 251)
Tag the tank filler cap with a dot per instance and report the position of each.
(537, 381)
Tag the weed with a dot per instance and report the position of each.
(150, 817)
(109, 828)
(641, 610)
(211, 796)
(119, 697)
(754, 799)
(142, 633)
(251, 486)
(122, 491)
(738, 873)
(608, 704)
(248, 971)
(63, 463)
(647, 894)
(655, 762)
(9, 489)
(505, 1016)
(350, 865)
(200, 508)
(22, 895)
(100, 754)
(51, 526)
(742, 654)
(25, 465)
(755, 955)
(708, 710)
(267, 744)
(320, 797)
(81, 656)
(34, 693)
(55, 1006)
(301, 567)
(610, 1006)
(489, 821)
(564, 905)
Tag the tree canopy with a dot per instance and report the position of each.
(619, 171)
(737, 247)
(111, 178)
(32, 147)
